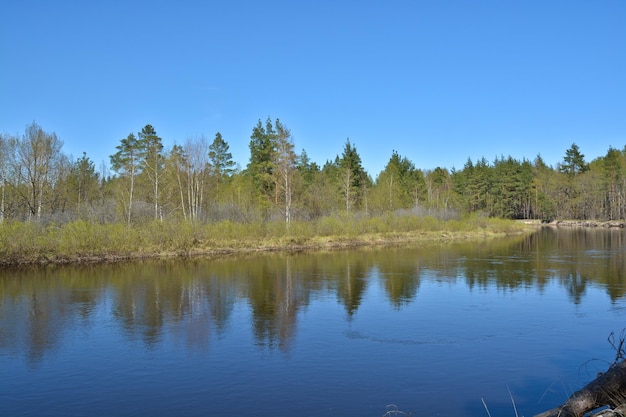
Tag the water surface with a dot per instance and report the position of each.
(433, 329)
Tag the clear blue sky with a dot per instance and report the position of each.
(438, 81)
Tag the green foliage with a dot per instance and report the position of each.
(126, 162)
(262, 149)
(399, 186)
(573, 162)
(353, 179)
(613, 170)
(153, 162)
(220, 158)
(84, 180)
(126, 159)
(16, 240)
(190, 197)
(440, 192)
(329, 226)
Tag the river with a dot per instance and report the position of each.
(515, 324)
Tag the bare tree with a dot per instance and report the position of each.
(36, 155)
(285, 167)
(177, 162)
(346, 186)
(4, 162)
(196, 152)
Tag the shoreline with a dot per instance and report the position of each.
(271, 245)
(586, 223)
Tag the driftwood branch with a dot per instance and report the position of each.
(607, 390)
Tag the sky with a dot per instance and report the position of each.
(438, 81)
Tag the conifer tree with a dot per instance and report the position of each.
(573, 162)
(262, 155)
(126, 162)
(353, 176)
(221, 159)
(151, 149)
(84, 179)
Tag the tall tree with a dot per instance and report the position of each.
(177, 162)
(307, 168)
(196, 153)
(262, 156)
(151, 147)
(573, 161)
(84, 180)
(474, 185)
(221, 159)
(37, 154)
(284, 167)
(5, 141)
(126, 161)
(310, 197)
(543, 186)
(512, 188)
(400, 183)
(571, 199)
(613, 170)
(439, 188)
(353, 176)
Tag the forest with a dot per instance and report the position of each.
(199, 182)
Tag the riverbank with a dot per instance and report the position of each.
(85, 242)
(587, 223)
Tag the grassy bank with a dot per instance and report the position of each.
(80, 241)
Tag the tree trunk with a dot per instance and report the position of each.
(608, 389)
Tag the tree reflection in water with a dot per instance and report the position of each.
(193, 300)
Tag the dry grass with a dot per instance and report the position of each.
(22, 243)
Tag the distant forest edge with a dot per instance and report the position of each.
(199, 182)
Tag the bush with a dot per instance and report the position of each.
(30, 242)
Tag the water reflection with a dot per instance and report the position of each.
(194, 300)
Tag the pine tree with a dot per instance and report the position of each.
(84, 179)
(221, 159)
(573, 162)
(353, 176)
(400, 181)
(262, 155)
(126, 162)
(151, 149)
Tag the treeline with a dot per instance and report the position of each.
(199, 181)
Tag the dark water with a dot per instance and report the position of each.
(433, 329)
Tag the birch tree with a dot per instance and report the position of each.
(4, 167)
(284, 167)
(196, 153)
(126, 162)
(36, 155)
(153, 161)
(177, 163)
